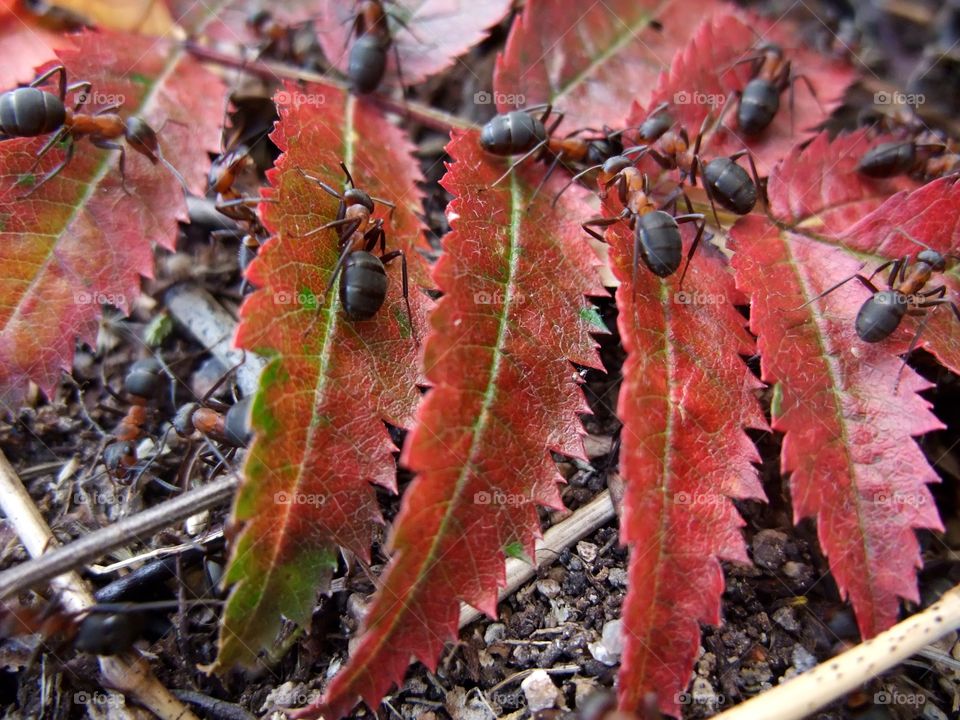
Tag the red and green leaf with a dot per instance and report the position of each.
(592, 61)
(685, 400)
(321, 443)
(707, 72)
(504, 396)
(848, 409)
(80, 239)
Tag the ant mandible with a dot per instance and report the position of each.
(31, 112)
(363, 278)
(656, 233)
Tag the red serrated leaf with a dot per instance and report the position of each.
(504, 396)
(320, 437)
(685, 400)
(81, 239)
(848, 427)
(592, 61)
(703, 76)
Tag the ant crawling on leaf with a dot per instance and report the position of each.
(521, 132)
(30, 112)
(771, 73)
(881, 313)
(925, 157)
(363, 278)
(725, 182)
(367, 62)
(657, 239)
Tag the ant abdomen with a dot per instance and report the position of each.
(881, 315)
(144, 378)
(661, 246)
(363, 285)
(28, 112)
(731, 185)
(758, 106)
(109, 633)
(512, 133)
(367, 63)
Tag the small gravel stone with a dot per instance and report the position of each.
(494, 632)
(548, 588)
(617, 577)
(769, 548)
(540, 691)
(802, 658)
(610, 646)
(587, 551)
(786, 618)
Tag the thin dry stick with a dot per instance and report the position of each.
(595, 514)
(98, 543)
(828, 681)
(431, 117)
(128, 672)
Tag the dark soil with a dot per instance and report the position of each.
(781, 615)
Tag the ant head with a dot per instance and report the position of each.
(229, 162)
(119, 457)
(771, 48)
(355, 196)
(142, 138)
(932, 258)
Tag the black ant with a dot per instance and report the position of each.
(363, 279)
(367, 62)
(656, 233)
(521, 132)
(881, 313)
(30, 112)
(141, 384)
(924, 157)
(725, 182)
(230, 426)
(102, 629)
(771, 73)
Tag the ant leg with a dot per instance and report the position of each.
(108, 108)
(810, 87)
(111, 145)
(713, 205)
(863, 281)
(406, 292)
(693, 217)
(598, 222)
(349, 227)
(322, 184)
(47, 146)
(86, 88)
(893, 274)
(62, 83)
(558, 118)
(761, 188)
(53, 173)
(536, 148)
(375, 235)
(543, 180)
(396, 58)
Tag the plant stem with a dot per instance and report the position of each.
(424, 114)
